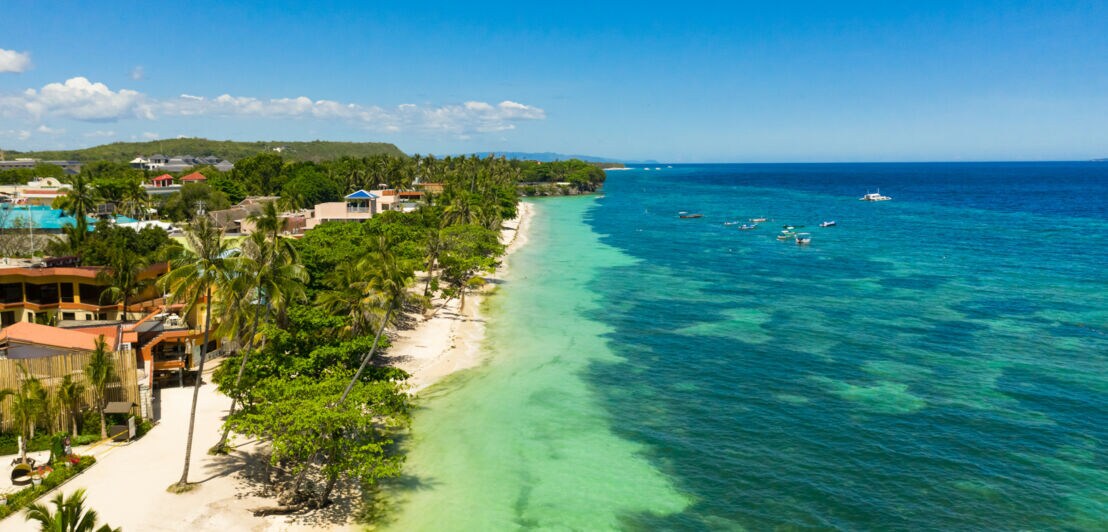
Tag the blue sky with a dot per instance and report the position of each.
(679, 82)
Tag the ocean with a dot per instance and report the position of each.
(938, 361)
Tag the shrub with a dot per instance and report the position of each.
(26, 496)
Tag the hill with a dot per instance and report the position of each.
(547, 157)
(316, 150)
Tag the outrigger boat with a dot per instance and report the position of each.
(747, 227)
(827, 224)
(757, 220)
(803, 238)
(693, 215)
(786, 235)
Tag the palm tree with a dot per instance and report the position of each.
(78, 202)
(123, 278)
(69, 515)
(203, 265)
(275, 277)
(388, 279)
(70, 393)
(99, 372)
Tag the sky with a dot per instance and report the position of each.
(675, 82)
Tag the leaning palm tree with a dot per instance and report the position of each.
(389, 279)
(99, 371)
(70, 394)
(69, 515)
(123, 277)
(201, 266)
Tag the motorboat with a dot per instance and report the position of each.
(730, 223)
(874, 196)
(803, 238)
(747, 227)
(786, 235)
(757, 220)
(828, 224)
(692, 215)
(791, 227)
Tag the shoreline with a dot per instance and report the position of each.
(451, 339)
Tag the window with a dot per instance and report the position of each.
(67, 292)
(103, 316)
(7, 318)
(69, 316)
(11, 292)
(90, 294)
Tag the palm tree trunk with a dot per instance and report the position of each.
(238, 379)
(73, 418)
(196, 386)
(430, 275)
(368, 357)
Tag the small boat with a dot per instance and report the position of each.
(828, 224)
(757, 220)
(747, 227)
(693, 215)
(874, 196)
(803, 238)
(791, 227)
(730, 223)
(786, 235)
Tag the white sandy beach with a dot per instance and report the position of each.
(450, 341)
(127, 486)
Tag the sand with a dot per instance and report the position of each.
(127, 486)
(451, 340)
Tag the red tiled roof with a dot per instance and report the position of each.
(163, 177)
(195, 176)
(33, 333)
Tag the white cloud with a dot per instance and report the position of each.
(80, 99)
(20, 134)
(138, 73)
(43, 128)
(13, 61)
(77, 98)
(100, 133)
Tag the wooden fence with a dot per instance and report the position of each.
(51, 370)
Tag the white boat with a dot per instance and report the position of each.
(803, 238)
(785, 235)
(874, 196)
(827, 224)
(757, 220)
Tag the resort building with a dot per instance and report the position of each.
(236, 220)
(42, 191)
(355, 207)
(195, 177)
(70, 167)
(161, 185)
(57, 295)
(179, 163)
(397, 200)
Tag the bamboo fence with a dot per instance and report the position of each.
(52, 369)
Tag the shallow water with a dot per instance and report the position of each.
(939, 361)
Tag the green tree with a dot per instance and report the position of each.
(78, 203)
(261, 174)
(70, 396)
(99, 372)
(69, 515)
(185, 204)
(466, 251)
(124, 278)
(201, 266)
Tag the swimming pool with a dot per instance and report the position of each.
(43, 218)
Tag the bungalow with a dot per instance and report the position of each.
(195, 177)
(397, 200)
(357, 206)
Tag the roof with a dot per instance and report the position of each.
(163, 177)
(119, 407)
(361, 194)
(32, 333)
(195, 176)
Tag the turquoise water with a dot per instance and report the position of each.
(46, 218)
(939, 361)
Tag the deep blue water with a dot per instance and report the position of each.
(939, 361)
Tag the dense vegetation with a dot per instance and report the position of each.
(122, 152)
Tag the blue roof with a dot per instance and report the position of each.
(361, 194)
